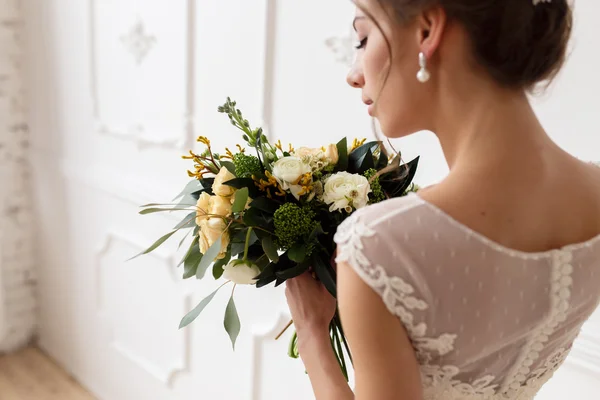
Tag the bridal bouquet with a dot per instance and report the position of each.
(266, 214)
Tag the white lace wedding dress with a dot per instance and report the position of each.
(486, 322)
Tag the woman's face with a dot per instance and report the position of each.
(398, 102)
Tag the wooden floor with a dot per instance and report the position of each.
(31, 375)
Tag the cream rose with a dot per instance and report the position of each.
(220, 206)
(331, 154)
(219, 188)
(289, 170)
(241, 272)
(202, 207)
(345, 191)
(210, 231)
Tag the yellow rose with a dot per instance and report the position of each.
(202, 207)
(210, 231)
(219, 188)
(331, 154)
(220, 206)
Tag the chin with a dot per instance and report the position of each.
(396, 127)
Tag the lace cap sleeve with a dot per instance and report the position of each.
(368, 242)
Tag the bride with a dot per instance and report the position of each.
(474, 288)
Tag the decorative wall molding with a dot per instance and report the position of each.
(259, 335)
(138, 42)
(165, 373)
(342, 48)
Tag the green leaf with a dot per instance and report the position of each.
(342, 148)
(355, 159)
(155, 210)
(188, 222)
(270, 248)
(241, 198)
(229, 165)
(257, 218)
(191, 187)
(155, 245)
(239, 183)
(396, 186)
(232, 321)
(293, 272)
(265, 204)
(187, 253)
(218, 266)
(181, 243)
(192, 315)
(209, 257)
(192, 261)
(326, 274)
(297, 253)
(367, 162)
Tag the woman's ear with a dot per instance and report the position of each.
(431, 25)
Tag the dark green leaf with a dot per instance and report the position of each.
(356, 158)
(265, 281)
(396, 186)
(367, 162)
(192, 315)
(241, 198)
(188, 222)
(383, 160)
(257, 218)
(191, 187)
(270, 248)
(297, 253)
(318, 230)
(209, 257)
(342, 148)
(155, 245)
(265, 204)
(229, 165)
(232, 321)
(262, 262)
(239, 183)
(326, 274)
(293, 272)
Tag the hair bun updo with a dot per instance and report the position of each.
(521, 44)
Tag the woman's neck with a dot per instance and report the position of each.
(481, 128)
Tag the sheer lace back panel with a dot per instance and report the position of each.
(486, 322)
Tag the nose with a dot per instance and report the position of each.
(355, 78)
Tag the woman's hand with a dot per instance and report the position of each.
(311, 305)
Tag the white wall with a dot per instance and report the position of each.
(108, 132)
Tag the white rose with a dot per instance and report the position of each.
(345, 191)
(331, 154)
(219, 188)
(289, 170)
(241, 272)
(220, 206)
(202, 207)
(210, 231)
(308, 152)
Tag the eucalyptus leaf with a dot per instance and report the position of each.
(155, 245)
(218, 269)
(270, 248)
(192, 261)
(342, 148)
(297, 253)
(181, 242)
(188, 222)
(209, 257)
(241, 198)
(189, 251)
(232, 321)
(156, 210)
(191, 187)
(192, 315)
(229, 165)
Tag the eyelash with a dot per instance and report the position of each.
(361, 44)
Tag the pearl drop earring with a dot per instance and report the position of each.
(423, 75)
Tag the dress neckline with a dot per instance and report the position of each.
(500, 247)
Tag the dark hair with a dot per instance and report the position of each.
(518, 43)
